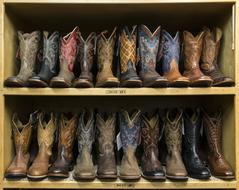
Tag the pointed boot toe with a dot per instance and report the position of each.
(14, 82)
(58, 82)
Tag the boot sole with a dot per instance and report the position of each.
(108, 84)
(14, 84)
(199, 177)
(84, 177)
(179, 84)
(201, 83)
(37, 83)
(162, 178)
(58, 176)
(224, 84)
(108, 176)
(59, 84)
(15, 176)
(132, 83)
(225, 177)
(83, 84)
(40, 177)
(129, 177)
(181, 178)
(156, 84)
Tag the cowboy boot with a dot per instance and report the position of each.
(68, 53)
(192, 48)
(64, 161)
(105, 53)
(170, 60)
(209, 62)
(29, 44)
(175, 168)
(86, 58)
(106, 124)
(45, 138)
(191, 137)
(84, 168)
(148, 49)
(22, 138)
(129, 77)
(50, 60)
(151, 166)
(217, 163)
(129, 135)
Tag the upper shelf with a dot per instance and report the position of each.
(119, 91)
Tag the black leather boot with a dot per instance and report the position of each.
(192, 161)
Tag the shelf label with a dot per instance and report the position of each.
(115, 91)
(125, 185)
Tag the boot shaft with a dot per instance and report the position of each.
(86, 131)
(148, 47)
(129, 129)
(21, 134)
(106, 132)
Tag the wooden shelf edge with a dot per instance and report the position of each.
(119, 91)
(118, 184)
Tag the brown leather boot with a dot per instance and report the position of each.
(84, 168)
(86, 57)
(217, 163)
(105, 53)
(45, 138)
(175, 168)
(151, 166)
(29, 44)
(22, 138)
(64, 161)
(128, 59)
(192, 48)
(129, 134)
(210, 52)
(106, 124)
(148, 50)
(68, 53)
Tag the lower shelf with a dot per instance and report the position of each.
(69, 183)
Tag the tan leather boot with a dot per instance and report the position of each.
(210, 53)
(175, 168)
(106, 124)
(218, 165)
(22, 138)
(192, 48)
(84, 168)
(129, 134)
(105, 53)
(45, 138)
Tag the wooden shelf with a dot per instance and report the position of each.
(118, 184)
(119, 91)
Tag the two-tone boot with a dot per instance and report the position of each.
(84, 168)
(105, 55)
(148, 50)
(128, 59)
(209, 58)
(129, 135)
(218, 164)
(68, 54)
(49, 65)
(192, 49)
(29, 44)
(45, 137)
(192, 127)
(106, 123)
(151, 166)
(86, 58)
(22, 132)
(175, 168)
(170, 48)
(67, 133)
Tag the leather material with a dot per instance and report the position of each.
(191, 137)
(45, 137)
(209, 61)
(129, 77)
(218, 165)
(50, 60)
(151, 166)
(22, 137)
(84, 168)
(67, 132)
(170, 48)
(29, 44)
(68, 53)
(175, 168)
(148, 49)
(105, 53)
(129, 135)
(106, 123)
(86, 58)
(192, 48)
